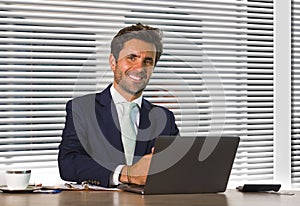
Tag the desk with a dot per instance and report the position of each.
(116, 198)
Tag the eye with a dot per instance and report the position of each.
(149, 62)
(132, 57)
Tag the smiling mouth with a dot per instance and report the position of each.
(137, 76)
(134, 77)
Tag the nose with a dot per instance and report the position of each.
(139, 64)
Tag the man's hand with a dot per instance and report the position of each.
(137, 173)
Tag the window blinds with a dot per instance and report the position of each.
(216, 72)
(295, 94)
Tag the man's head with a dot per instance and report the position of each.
(135, 51)
(138, 31)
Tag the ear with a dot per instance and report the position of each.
(112, 62)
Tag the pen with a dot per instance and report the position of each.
(47, 191)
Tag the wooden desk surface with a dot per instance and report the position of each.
(114, 198)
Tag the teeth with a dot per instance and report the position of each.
(135, 77)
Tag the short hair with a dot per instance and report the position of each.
(138, 31)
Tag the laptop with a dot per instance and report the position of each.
(189, 165)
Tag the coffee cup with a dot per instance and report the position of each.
(17, 179)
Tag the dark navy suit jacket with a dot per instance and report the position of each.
(91, 146)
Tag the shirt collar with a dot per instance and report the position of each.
(118, 98)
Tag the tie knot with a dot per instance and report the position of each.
(132, 106)
(128, 107)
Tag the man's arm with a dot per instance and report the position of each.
(75, 164)
(138, 172)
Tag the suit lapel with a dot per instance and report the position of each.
(107, 118)
(145, 139)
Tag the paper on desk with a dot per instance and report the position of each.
(75, 187)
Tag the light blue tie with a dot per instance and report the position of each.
(128, 129)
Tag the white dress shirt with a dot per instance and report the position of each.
(118, 98)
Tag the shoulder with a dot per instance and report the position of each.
(88, 98)
(150, 106)
(102, 97)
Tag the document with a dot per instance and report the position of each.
(75, 187)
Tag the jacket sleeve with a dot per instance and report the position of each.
(75, 164)
(170, 125)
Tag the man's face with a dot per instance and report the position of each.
(133, 69)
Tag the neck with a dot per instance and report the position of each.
(128, 96)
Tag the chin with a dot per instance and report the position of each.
(137, 91)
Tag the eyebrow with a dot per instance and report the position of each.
(135, 55)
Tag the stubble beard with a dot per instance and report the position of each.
(133, 89)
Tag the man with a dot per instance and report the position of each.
(93, 145)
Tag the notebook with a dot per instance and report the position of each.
(187, 165)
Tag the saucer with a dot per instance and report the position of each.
(26, 190)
